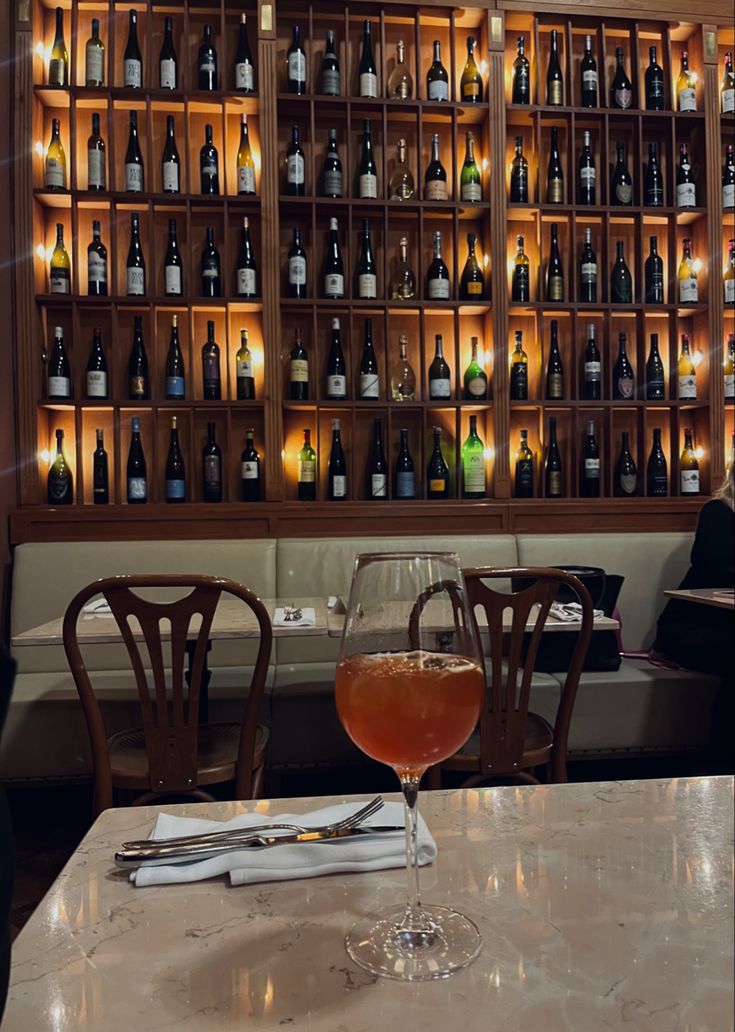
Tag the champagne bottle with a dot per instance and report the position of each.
(470, 180)
(168, 65)
(367, 173)
(175, 487)
(587, 173)
(435, 178)
(97, 369)
(298, 370)
(337, 469)
(403, 281)
(437, 277)
(58, 65)
(402, 376)
(132, 57)
(60, 265)
(686, 372)
(588, 76)
(621, 88)
(621, 281)
(728, 368)
(208, 165)
(54, 167)
(401, 186)
(59, 371)
(653, 272)
(521, 89)
(245, 163)
(297, 285)
(728, 178)
(437, 472)
(524, 468)
(369, 377)
(555, 368)
(653, 180)
(211, 373)
(520, 291)
(621, 186)
(729, 274)
(654, 83)
(625, 481)
(334, 272)
(296, 64)
(470, 85)
(688, 467)
(655, 377)
(475, 377)
(553, 472)
(295, 166)
(687, 276)
(400, 81)
(588, 270)
(96, 172)
(139, 385)
(657, 477)
(367, 270)
(404, 472)
(473, 464)
(519, 370)
(440, 383)
(336, 366)
(367, 70)
(686, 92)
(686, 190)
(592, 382)
(590, 486)
(330, 83)
(135, 264)
(727, 87)
(96, 264)
(207, 62)
(554, 270)
(519, 175)
(244, 67)
(555, 173)
(175, 373)
(100, 474)
(136, 475)
(250, 469)
(472, 282)
(332, 171)
(170, 161)
(623, 376)
(211, 467)
(554, 77)
(134, 171)
(173, 265)
(377, 474)
(437, 79)
(60, 483)
(244, 375)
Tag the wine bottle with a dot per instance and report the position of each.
(655, 377)
(621, 281)
(657, 476)
(521, 89)
(625, 481)
(472, 282)
(58, 371)
(592, 381)
(653, 271)
(402, 281)
(96, 264)
(377, 471)
(337, 469)
(686, 91)
(297, 286)
(470, 85)
(367, 69)
(175, 373)
(686, 190)
(475, 377)
(208, 165)
(96, 378)
(369, 378)
(470, 180)
(653, 180)
(247, 270)
(135, 264)
(250, 470)
(173, 265)
(401, 186)
(367, 172)
(440, 383)
(729, 274)
(298, 370)
(334, 277)
(727, 87)
(553, 472)
(367, 270)
(245, 163)
(473, 464)
(554, 77)
(437, 79)
(207, 62)
(590, 486)
(654, 83)
(519, 370)
(336, 366)
(437, 471)
(520, 291)
(296, 64)
(621, 88)
(623, 376)
(60, 265)
(100, 474)
(139, 384)
(555, 173)
(332, 171)
(168, 65)
(170, 161)
(136, 475)
(210, 267)
(132, 57)
(211, 373)
(96, 171)
(728, 368)
(175, 487)
(60, 482)
(524, 468)
(519, 175)
(211, 467)
(244, 67)
(588, 76)
(621, 186)
(402, 376)
(58, 65)
(54, 167)
(687, 276)
(588, 270)
(295, 166)
(435, 178)
(587, 173)
(400, 81)
(554, 269)
(244, 374)
(686, 372)
(728, 178)
(404, 473)
(555, 368)
(688, 467)
(134, 171)
(330, 83)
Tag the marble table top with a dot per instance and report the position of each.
(722, 598)
(603, 906)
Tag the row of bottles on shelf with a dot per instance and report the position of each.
(60, 480)
(207, 67)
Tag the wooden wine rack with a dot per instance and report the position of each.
(272, 318)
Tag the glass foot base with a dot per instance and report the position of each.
(442, 943)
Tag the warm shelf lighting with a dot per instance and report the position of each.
(38, 147)
(41, 251)
(484, 164)
(483, 66)
(699, 451)
(697, 358)
(697, 263)
(45, 456)
(488, 453)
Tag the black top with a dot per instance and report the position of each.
(713, 553)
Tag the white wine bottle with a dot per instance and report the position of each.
(94, 58)
(60, 265)
(58, 66)
(54, 169)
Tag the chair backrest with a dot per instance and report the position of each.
(170, 713)
(504, 717)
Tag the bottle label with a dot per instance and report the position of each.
(592, 372)
(170, 177)
(246, 179)
(132, 72)
(554, 484)
(307, 471)
(520, 283)
(555, 92)
(297, 66)
(656, 284)
(244, 368)
(211, 374)
(294, 169)
(95, 169)
(339, 486)
(369, 385)
(378, 485)
(688, 293)
(367, 286)
(405, 484)
(471, 192)
(655, 388)
(728, 195)
(656, 88)
(96, 383)
(589, 272)
(728, 101)
(470, 90)
(624, 192)
(136, 281)
(368, 186)
(336, 386)
(730, 386)
(248, 470)
(244, 76)
(690, 481)
(334, 285)
(297, 271)
(330, 82)
(59, 387)
(687, 99)
(623, 98)
(555, 386)
(555, 192)
(589, 80)
(438, 89)
(210, 271)
(207, 67)
(137, 489)
(438, 486)
(436, 190)
(55, 72)
(133, 178)
(175, 489)
(592, 469)
(167, 73)
(524, 477)
(476, 387)
(368, 84)
(729, 291)
(556, 288)
(333, 183)
(439, 289)
(440, 388)
(55, 174)
(628, 483)
(473, 474)
(587, 177)
(625, 387)
(137, 386)
(212, 472)
(688, 387)
(519, 381)
(246, 285)
(60, 281)
(299, 370)
(96, 268)
(655, 195)
(473, 288)
(686, 195)
(175, 387)
(172, 276)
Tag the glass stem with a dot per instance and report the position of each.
(414, 917)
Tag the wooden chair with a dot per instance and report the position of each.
(172, 753)
(511, 740)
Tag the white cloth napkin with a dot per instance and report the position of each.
(571, 612)
(97, 607)
(300, 860)
(308, 618)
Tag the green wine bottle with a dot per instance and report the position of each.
(473, 464)
(470, 179)
(60, 481)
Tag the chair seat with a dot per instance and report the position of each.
(217, 755)
(537, 742)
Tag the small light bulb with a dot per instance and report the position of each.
(45, 456)
(41, 251)
(484, 164)
(483, 66)
(49, 252)
(488, 356)
(487, 453)
(38, 148)
(283, 454)
(697, 358)
(699, 451)
(485, 260)
(697, 263)
(39, 48)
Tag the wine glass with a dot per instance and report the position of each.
(409, 686)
